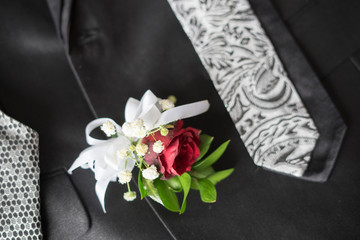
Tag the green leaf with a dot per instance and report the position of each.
(194, 184)
(185, 180)
(142, 189)
(207, 191)
(174, 183)
(212, 158)
(221, 175)
(168, 197)
(150, 188)
(206, 141)
(202, 173)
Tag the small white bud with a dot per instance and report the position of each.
(132, 148)
(158, 146)
(108, 128)
(130, 196)
(166, 104)
(172, 98)
(127, 129)
(141, 149)
(150, 173)
(135, 129)
(138, 122)
(139, 128)
(124, 177)
(164, 131)
(122, 153)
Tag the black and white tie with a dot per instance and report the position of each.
(19, 181)
(268, 113)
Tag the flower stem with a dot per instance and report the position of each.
(152, 134)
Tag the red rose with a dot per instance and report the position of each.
(181, 149)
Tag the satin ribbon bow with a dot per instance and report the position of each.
(101, 157)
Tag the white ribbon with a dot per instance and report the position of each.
(101, 156)
(148, 110)
(94, 124)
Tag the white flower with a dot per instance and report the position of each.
(139, 128)
(141, 149)
(150, 173)
(166, 104)
(127, 128)
(135, 129)
(130, 196)
(158, 146)
(124, 176)
(122, 153)
(108, 128)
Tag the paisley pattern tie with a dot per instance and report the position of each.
(19, 181)
(249, 77)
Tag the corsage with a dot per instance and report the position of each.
(170, 158)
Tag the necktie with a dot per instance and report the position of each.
(241, 61)
(19, 181)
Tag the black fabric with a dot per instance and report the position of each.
(38, 88)
(325, 29)
(62, 208)
(119, 49)
(355, 59)
(290, 9)
(325, 115)
(343, 85)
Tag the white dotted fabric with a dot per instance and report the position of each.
(19, 181)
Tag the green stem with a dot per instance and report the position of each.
(152, 134)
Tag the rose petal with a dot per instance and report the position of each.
(180, 152)
(151, 157)
(196, 150)
(184, 159)
(169, 154)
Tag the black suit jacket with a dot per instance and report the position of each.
(65, 63)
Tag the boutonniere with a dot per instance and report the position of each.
(170, 158)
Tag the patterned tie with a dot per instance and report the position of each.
(19, 181)
(249, 77)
